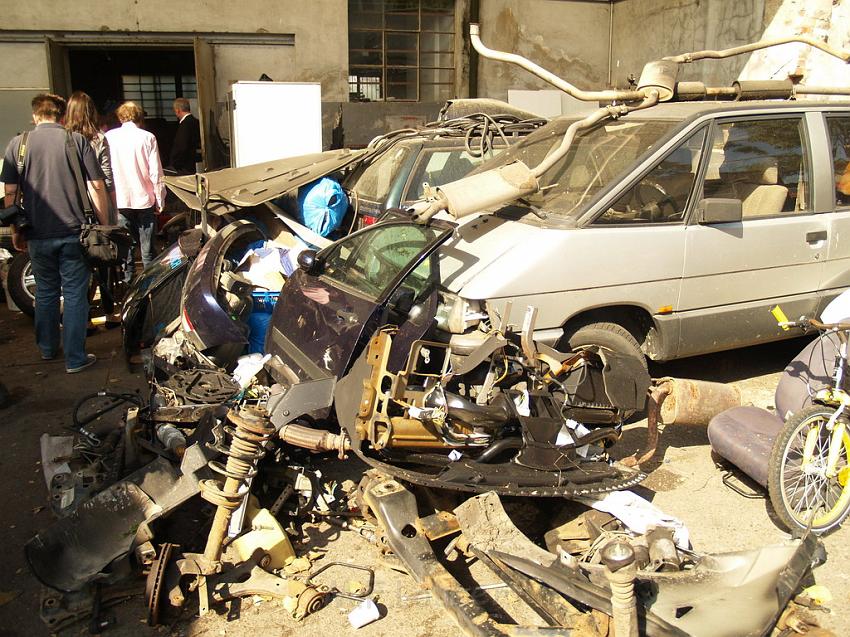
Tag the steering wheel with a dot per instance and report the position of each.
(652, 199)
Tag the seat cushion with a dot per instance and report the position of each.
(744, 436)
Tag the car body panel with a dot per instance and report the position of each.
(319, 325)
(234, 188)
(210, 324)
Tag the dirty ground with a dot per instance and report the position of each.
(683, 481)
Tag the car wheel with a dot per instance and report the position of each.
(609, 336)
(21, 283)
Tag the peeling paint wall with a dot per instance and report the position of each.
(825, 20)
(567, 38)
(645, 30)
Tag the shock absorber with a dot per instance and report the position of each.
(249, 429)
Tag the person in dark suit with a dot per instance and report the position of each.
(187, 141)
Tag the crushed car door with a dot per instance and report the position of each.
(736, 271)
(323, 319)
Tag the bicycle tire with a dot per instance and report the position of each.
(799, 497)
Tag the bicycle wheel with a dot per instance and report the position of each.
(801, 485)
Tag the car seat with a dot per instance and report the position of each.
(744, 435)
(756, 184)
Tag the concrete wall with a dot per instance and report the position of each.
(567, 38)
(646, 30)
(320, 28)
(23, 74)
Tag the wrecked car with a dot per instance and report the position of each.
(426, 346)
(389, 173)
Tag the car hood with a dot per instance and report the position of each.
(234, 188)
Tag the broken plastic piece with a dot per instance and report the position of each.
(364, 613)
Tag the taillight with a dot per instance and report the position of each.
(368, 220)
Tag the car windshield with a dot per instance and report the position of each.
(596, 159)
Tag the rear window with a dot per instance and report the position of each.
(377, 179)
(443, 166)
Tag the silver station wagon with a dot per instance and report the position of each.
(670, 232)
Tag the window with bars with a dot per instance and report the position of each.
(156, 93)
(401, 50)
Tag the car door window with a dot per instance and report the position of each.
(438, 167)
(377, 179)
(662, 195)
(764, 163)
(839, 136)
(368, 262)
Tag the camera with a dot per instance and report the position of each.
(16, 216)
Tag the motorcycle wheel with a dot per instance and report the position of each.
(802, 491)
(21, 283)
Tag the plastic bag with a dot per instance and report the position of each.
(322, 205)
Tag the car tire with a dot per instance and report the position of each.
(22, 292)
(610, 336)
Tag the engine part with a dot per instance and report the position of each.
(76, 549)
(267, 536)
(620, 570)
(202, 386)
(663, 555)
(398, 411)
(249, 431)
(722, 595)
(315, 439)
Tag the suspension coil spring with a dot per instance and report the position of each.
(248, 429)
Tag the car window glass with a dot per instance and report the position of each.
(596, 159)
(438, 167)
(839, 136)
(376, 180)
(662, 195)
(761, 162)
(369, 261)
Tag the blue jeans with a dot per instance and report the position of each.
(142, 225)
(60, 271)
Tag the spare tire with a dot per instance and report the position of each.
(21, 283)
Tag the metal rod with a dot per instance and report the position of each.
(548, 76)
(687, 58)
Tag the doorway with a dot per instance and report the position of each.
(151, 77)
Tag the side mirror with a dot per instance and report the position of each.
(716, 210)
(308, 262)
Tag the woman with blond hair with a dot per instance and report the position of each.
(81, 117)
(139, 189)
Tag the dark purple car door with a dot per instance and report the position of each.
(322, 320)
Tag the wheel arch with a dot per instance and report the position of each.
(633, 318)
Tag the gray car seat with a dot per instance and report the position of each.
(744, 435)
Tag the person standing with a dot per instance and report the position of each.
(187, 140)
(54, 211)
(81, 117)
(139, 189)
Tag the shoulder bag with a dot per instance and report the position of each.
(102, 245)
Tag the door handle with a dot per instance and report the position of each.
(814, 237)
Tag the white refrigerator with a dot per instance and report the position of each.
(273, 120)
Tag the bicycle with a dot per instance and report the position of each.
(809, 467)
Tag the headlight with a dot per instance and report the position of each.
(456, 315)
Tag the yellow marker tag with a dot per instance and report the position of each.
(780, 317)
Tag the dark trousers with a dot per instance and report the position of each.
(142, 226)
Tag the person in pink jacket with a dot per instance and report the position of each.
(139, 189)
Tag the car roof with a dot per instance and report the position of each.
(688, 110)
